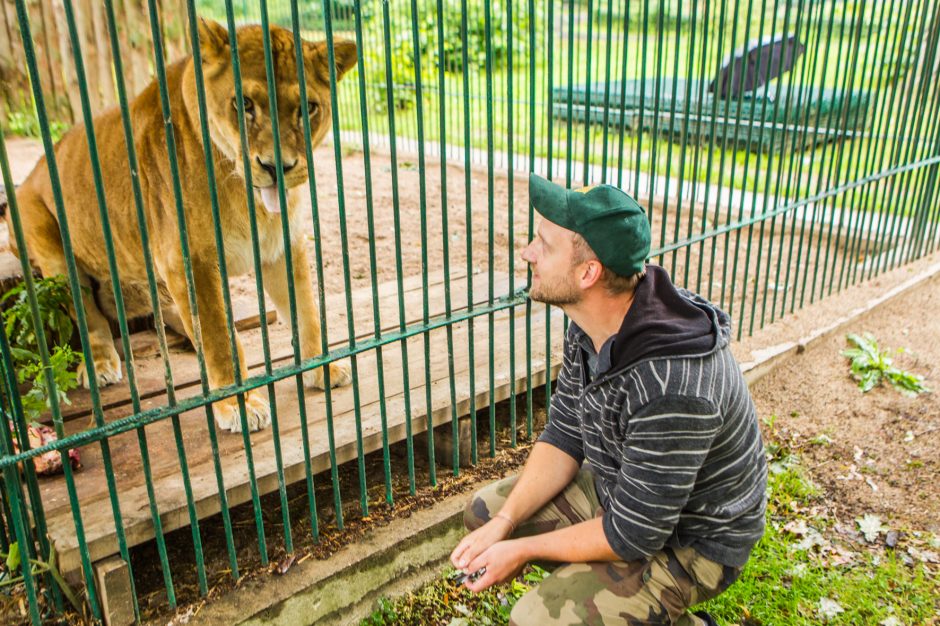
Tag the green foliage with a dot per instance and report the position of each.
(870, 366)
(53, 299)
(13, 560)
(24, 122)
(62, 363)
(450, 54)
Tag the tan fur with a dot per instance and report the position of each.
(38, 213)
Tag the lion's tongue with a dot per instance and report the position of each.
(272, 201)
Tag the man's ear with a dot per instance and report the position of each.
(317, 55)
(590, 274)
(213, 41)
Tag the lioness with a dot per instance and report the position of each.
(37, 207)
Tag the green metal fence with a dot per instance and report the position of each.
(764, 201)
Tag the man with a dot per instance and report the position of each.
(648, 482)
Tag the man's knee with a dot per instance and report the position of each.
(487, 502)
(529, 611)
(475, 513)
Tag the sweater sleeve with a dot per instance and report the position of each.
(563, 429)
(666, 444)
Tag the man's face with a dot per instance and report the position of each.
(551, 257)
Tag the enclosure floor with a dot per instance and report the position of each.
(165, 463)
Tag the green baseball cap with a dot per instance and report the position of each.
(611, 222)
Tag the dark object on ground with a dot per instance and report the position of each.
(709, 620)
(755, 65)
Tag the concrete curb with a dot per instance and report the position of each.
(343, 589)
(411, 551)
(766, 359)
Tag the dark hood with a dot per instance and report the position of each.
(664, 321)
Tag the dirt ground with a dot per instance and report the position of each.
(875, 452)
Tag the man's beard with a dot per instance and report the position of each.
(561, 293)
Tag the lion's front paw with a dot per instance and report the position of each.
(340, 374)
(257, 413)
(107, 367)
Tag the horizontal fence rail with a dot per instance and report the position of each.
(784, 151)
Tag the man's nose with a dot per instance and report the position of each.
(527, 253)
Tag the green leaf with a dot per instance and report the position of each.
(13, 558)
(870, 366)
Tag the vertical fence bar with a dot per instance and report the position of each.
(344, 239)
(890, 125)
(531, 224)
(445, 245)
(605, 123)
(262, 307)
(18, 516)
(510, 174)
(468, 219)
(396, 216)
(169, 133)
(223, 271)
(373, 265)
(798, 175)
(735, 146)
(490, 244)
(22, 435)
(422, 184)
(74, 287)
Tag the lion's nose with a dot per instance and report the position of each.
(271, 167)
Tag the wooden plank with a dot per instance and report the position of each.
(245, 313)
(150, 371)
(90, 483)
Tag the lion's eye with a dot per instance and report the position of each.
(313, 108)
(249, 106)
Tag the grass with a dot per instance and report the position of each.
(805, 571)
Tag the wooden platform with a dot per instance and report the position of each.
(165, 464)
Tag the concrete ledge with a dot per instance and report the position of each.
(764, 360)
(343, 589)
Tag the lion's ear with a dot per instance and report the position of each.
(213, 41)
(344, 51)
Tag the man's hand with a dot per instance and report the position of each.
(502, 560)
(471, 546)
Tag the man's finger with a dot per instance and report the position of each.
(481, 583)
(461, 550)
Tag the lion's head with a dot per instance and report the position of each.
(221, 100)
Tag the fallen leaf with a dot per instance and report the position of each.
(797, 527)
(829, 608)
(871, 484)
(890, 621)
(841, 556)
(852, 475)
(891, 539)
(811, 540)
(284, 564)
(870, 526)
(924, 556)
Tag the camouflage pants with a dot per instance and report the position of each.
(657, 590)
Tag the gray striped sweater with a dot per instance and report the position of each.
(673, 438)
